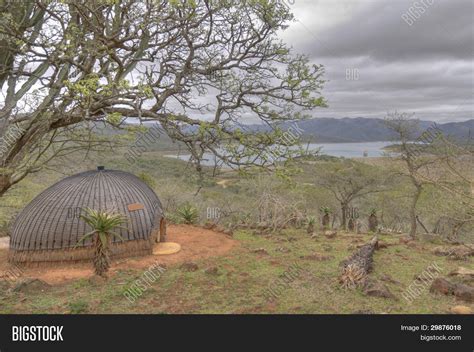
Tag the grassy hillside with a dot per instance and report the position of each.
(239, 280)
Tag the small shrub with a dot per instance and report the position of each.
(187, 213)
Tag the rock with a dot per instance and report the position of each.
(31, 286)
(460, 271)
(260, 251)
(189, 266)
(456, 252)
(443, 286)
(284, 250)
(314, 236)
(382, 245)
(461, 310)
(318, 257)
(212, 270)
(378, 289)
(461, 291)
(464, 292)
(330, 234)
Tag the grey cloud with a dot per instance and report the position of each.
(425, 67)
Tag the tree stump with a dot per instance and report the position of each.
(358, 265)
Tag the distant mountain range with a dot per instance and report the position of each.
(357, 129)
(361, 129)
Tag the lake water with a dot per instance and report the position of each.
(352, 150)
(346, 150)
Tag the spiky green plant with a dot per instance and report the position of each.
(187, 213)
(102, 224)
(325, 210)
(310, 221)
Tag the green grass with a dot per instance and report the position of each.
(244, 275)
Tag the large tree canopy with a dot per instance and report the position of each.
(196, 67)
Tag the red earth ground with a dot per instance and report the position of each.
(196, 243)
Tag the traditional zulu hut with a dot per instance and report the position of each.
(48, 229)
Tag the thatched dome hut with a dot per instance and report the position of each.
(49, 228)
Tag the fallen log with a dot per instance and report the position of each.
(358, 265)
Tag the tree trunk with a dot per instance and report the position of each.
(101, 258)
(344, 210)
(413, 221)
(373, 223)
(325, 221)
(424, 227)
(358, 265)
(351, 224)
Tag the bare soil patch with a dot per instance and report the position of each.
(196, 243)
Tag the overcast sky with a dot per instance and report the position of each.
(377, 62)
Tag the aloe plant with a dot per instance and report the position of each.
(102, 224)
(310, 221)
(188, 213)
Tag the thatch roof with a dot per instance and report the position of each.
(52, 222)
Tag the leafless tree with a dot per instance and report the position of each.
(407, 131)
(431, 158)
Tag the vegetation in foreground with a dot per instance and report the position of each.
(239, 281)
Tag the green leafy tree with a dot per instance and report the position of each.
(65, 64)
(348, 180)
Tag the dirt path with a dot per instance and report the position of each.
(196, 243)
